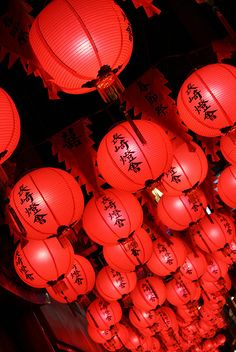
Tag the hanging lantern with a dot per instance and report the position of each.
(227, 186)
(178, 212)
(135, 250)
(188, 169)
(148, 293)
(45, 200)
(180, 291)
(119, 338)
(81, 47)
(213, 232)
(194, 266)
(166, 317)
(217, 286)
(79, 281)
(215, 269)
(42, 263)
(167, 257)
(126, 163)
(228, 147)
(102, 315)
(112, 216)
(228, 253)
(112, 284)
(155, 345)
(134, 340)
(206, 102)
(187, 313)
(141, 318)
(9, 126)
(100, 336)
(220, 340)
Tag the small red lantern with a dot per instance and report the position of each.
(135, 250)
(217, 286)
(180, 291)
(100, 336)
(126, 163)
(227, 186)
(188, 169)
(178, 212)
(206, 101)
(167, 257)
(44, 200)
(148, 293)
(141, 318)
(79, 281)
(134, 340)
(119, 338)
(228, 147)
(166, 317)
(215, 269)
(228, 253)
(102, 315)
(194, 266)
(9, 126)
(112, 216)
(112, 284)
(220, 340)
(40, 263)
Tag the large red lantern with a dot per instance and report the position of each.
(112, 216)
(135, 250)
(148, 293)
(178, 212)
(213, 232)
(43, 262)
(194, 266)
(9, 126)
(141, 318)
(167, 257)
(100, 336)
(188, 169)
(126, 163)
(112, 284)
(134, 340)
(166, 317)
(75, 43)
(79, 281)
(45, 200)
(227, 186)
(215, 269)
(206, 101)
(180, 291)
(102, 315)
(228, 147)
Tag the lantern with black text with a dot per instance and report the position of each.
(166, 317)
(180, 291)
(194, 266)
(100, 336)
(126, 163)
(228, 147)
(227, 186)
(141, 318)
(220, 286)
(119, 338)
(216, 269)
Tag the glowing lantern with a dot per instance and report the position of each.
(80, 46)
(112, 216)
(220, 286)
(126, 163)
(194, 266)
(79, 281)
(206, 101)
(188, 169)
(44, 262)
(9, 126)
(220, 340)
(178, 212)
(112, 284)
(102, 315)
(215, 269)
(180, 291)
(45, 200)
(133, 251)
(227, 186)
(141, 318)
(100, 336)
(228, 147)
(167, 257)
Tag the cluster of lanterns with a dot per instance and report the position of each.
(161, 277)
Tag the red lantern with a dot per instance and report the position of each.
(167, 257)
(148, 293)
(178, 212)
(187, 312)
(119, 338)
(101, 314)
(207, 345)
(213, 232)
(149, 344)
(180, 291)
(215, 269)
(188, 169)
(228, 253)
(135, 250)
(79, 281)
(112, 284)
(217, 286)
(44, 200)
(134, 340)
(166, 317)
(227, 186)
(40, 263)
(194, 266)
(220, 340)
(206, 101)
(100, 336)
(141, 318)
(155, 345)
(9, 126)
(112, 216)
(126, 163)
(74, 42)
(228, 147)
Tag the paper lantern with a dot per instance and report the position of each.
(167, 257)
(187, 312)
(188, 169)
(215, 269)
(166, 317)
(227, 254)
(148, 293)
(228, 147)
(213, 232)
(100, 336)
(227, 186)
(112, 284)
(217, 286)
(43, 262)
(155, 345)
(178, 212)
(194, 266)
(102, 314)
(126, 163)
(134, 340)
(149, 344)
(119, 338)
(79, 281)
(74, 42)
(135, 250)
(44, 200)
(9, 126)
(112, 216)
(220, 339)
(206, 101)
(180, 291)
(141, 318)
